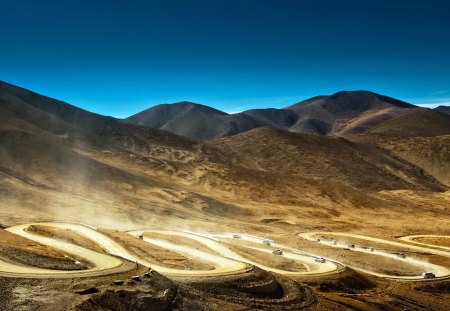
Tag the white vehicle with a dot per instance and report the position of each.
(317, 240)
(320, 259)
(277, 252)
(401, 255)
(266, 242)
(351, 245)
(236, 236)
(370, 249)
(333, 242)
(428, 275)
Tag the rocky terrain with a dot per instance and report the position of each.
(353, 162)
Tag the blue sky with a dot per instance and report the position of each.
(118, 57)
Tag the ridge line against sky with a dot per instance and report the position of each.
(118, 57)
(251, 103)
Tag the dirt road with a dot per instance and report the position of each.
(439, 271)
(102, 264)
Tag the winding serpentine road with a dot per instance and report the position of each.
(439, 271)
(102, 264)
(224, 260)
(222, 265)
(411, 239)
(312, 267)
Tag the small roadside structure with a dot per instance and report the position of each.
(277, 252)
(236, 236)
(401, 255)
(428, 275)
(320, 259)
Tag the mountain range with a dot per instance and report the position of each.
(327, 154)
(341, 114)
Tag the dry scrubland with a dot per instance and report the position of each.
(62, 163)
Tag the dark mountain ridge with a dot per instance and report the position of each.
(195, 121)
(27, 111)
(343, 113)
(444, 109)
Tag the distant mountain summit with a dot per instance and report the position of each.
(444, 109)
(41, 116)
(161, 115)
(195, 121)
(343, 113)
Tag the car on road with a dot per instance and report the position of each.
(351, 245)
(277, 252)
(320, 259)
(370, 249)
(428, 275)
(236, 236)
(401, 255)
(333, 242)
(266, 242)
(317, 240)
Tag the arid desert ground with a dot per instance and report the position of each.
(100, 213)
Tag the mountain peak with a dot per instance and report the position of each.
(444, 109)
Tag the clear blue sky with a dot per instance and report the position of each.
(118, 57)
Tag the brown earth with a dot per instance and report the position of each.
(361, 260)
(270, 260)
(20, 250)
(434, 241)
(156, 254)
(65, 235)
(58, 162)
(178, 240)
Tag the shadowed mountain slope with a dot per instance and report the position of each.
(344, 113)
(279, 118)
(27, 111)
(417, 123)
(195, 121)
(444, 109)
